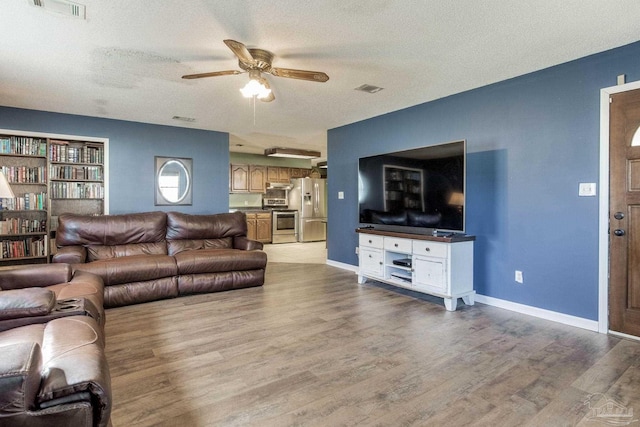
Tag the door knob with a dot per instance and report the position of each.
(618, 232)
(618, 215)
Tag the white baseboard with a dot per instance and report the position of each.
(343, 265)
(627, 336)
(554, 316)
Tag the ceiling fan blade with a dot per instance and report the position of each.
(212, 74)
(314, 76)
(240, 51)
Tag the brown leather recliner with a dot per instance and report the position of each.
(53, 369)
(154, 255)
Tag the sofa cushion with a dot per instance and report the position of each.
(35, 275)
(131, 268)
(26, 302)
(177, 246)
(218, 260)
(95, 252)
(147, 230)
(206, 231)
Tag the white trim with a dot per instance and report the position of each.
(105, 141)
(603, 215)
(554, 316)
(343, 265)
(621, 335)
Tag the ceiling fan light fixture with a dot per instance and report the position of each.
(257, 86)
(292, 153)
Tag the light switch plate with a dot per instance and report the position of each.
(340, 194)
(587, 189)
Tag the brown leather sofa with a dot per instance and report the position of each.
(53, 369)
(155, 255)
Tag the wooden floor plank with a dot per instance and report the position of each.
(313, 348)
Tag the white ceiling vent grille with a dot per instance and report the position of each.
(369, 88)
(61, 6)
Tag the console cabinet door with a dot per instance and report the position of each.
(371, 261)
(430, 274)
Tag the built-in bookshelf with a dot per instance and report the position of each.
(77, 177)
(49, 176)
(24, 218)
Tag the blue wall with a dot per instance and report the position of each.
(531, 140)
(132, 148)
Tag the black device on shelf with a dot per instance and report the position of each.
(414, 191)
(404, 262)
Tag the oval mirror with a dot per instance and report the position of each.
(173, 181)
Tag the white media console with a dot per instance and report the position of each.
(439, 266)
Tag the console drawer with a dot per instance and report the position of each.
(433, 249)
(371, 241)
(397, 245)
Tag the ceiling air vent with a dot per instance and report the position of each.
(63, 7)
(369, 88)
(184, 119)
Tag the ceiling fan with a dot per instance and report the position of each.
(256, 62)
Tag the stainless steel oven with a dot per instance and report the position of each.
(285, 226)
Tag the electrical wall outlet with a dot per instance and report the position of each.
(340, 195)
(519, 278)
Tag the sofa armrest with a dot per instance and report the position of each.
(20, 367)
(29, 302)
(34, 276)
(74, 365)
(246, 244)
(71, 255)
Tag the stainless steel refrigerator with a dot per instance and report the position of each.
(309, 197)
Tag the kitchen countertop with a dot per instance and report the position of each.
(248, 209)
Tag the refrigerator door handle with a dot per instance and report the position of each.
(316, 193)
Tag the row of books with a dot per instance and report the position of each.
(23, 145)
(22, 225)
(27, 247)
(25, 202)
(77, 190)
(93, 173)
(61, 151)
(25, 174)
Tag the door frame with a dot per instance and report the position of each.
(603, 209)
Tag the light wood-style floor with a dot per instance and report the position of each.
(314, 348)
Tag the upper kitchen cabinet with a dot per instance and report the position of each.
(257, 178)
(247, 178)
(278, 174)
(299, 172)
(239, 178)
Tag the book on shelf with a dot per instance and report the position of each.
(23, 145)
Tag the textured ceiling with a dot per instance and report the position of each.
(126, 59)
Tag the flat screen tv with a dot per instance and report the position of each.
(420, 190)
